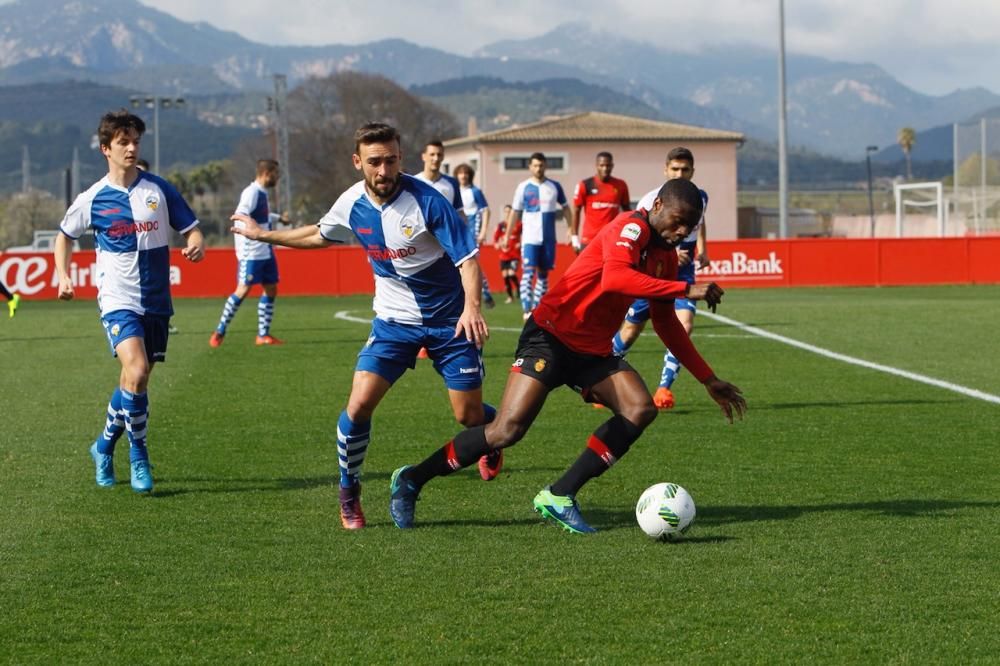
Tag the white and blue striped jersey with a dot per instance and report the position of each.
(414, 243)
(538, 203)
(132, 233)
(690, 241)
(473, 204)
(446, 185)
(253, 203)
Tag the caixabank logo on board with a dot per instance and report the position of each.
(738, 265)
(35, 274)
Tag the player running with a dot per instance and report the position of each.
(131, 212)
(257, 263)
(567, 341)
(427, 284)
(691, 254)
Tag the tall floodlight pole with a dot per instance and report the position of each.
(982, 166)
(281, 116)
(25, 170)
(871, 201)
(782, 129)
(154, 102)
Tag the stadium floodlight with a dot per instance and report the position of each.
(871, 203)
(155, 102)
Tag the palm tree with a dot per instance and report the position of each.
(906, 138)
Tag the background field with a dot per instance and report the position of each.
(853, 517)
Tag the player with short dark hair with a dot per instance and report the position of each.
(597, 200)
(131, 212)
(567, 340)
(536, 202)
(257, 263)
(427, 285)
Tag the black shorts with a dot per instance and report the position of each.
(542, 356)
(509, 265)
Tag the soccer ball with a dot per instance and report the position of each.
(665, 511)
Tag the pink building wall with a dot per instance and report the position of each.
(640, 164)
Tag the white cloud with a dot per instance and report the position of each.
(931, 45)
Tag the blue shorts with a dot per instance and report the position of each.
(542, 257)
(638, 313)
(257, 271)
(392, 348)
(153, 329)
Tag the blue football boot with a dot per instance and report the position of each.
(403, 499)
(562, 510)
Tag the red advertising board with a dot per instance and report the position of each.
(740, 263)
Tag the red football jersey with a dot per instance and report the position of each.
(513, 251)
(600, 202)
(586, 307)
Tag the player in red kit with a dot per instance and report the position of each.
(509, 253)
(598, 200)
(567, 341)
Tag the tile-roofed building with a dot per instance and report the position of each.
(571, 143)
(597, 126)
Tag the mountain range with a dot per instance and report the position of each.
(836, 108)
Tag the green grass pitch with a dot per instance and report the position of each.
(853, 517)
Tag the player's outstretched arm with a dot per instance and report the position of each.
(63, 255)
(194, 251)
(709, 292)
(303, 238)
(729, 397)
(471, 324)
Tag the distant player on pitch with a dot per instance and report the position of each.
(257, 263)
(509, 253)
(596, 201)
(537, 201)
(131, 212)
(477, 213)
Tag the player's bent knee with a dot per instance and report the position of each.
(471, 417)
(642, 414)
(501, 433)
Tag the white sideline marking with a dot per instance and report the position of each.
(970, 392)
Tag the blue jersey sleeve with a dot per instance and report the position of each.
(456, 196)
(182, 218)
(477, 194)
(451, 232)
(560, 196)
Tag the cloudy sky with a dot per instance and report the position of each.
(934, 46)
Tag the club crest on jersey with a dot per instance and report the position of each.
(539, 365)
(152, 202)
(408, 228)
(631, 231)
